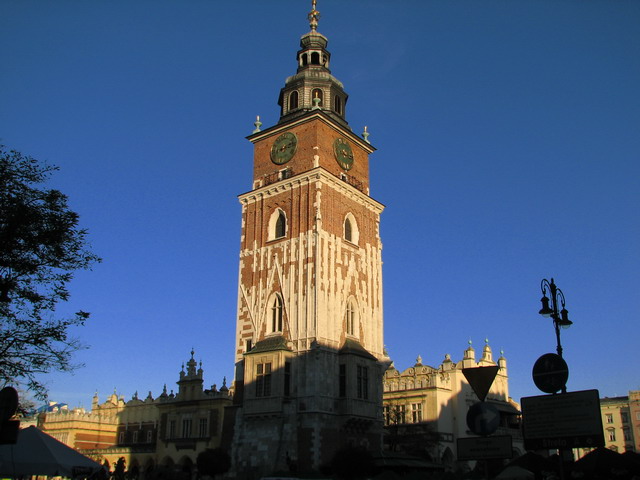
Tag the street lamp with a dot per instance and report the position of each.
(550, 306)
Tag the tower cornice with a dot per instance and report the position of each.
(309, 117)
(314, 175)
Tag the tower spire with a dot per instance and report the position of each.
(313, 87)
(314, 16)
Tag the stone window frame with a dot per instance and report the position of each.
(294, 100)
(350, 230)
(351, 317)
(278, 225)
(203, 427)
(276, 313)
(416, 412)
(263, 379)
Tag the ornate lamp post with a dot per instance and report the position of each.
(554, 307)
(560, 317)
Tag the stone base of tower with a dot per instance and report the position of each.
(295, 410)
(296, 442)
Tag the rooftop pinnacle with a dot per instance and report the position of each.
(314, 16)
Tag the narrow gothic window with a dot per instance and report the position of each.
(351, 232)
(351, 318)
(363, 382)
(293, 100)
(281, 225)
(337, 105)
(263, 380)
(276, 314)
(186, 428)
(316, 93)
(202, 428)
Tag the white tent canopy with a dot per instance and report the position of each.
(36, 453)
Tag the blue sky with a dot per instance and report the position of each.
(508, 136)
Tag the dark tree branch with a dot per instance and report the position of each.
(42, 247)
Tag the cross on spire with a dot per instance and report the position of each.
(314, 16)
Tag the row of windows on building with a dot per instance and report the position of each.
(317, 98)
(278, 227)
(186, 428)
(276, 317)
(393, 386)
(148, 436)
(397, 414)
(624, 417)
(626, 434)
(264, 380)
(181, 428)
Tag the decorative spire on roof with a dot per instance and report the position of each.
(486, 351)
(365, 135)
(224, 387)
(191, 365)
(313, 87)
(314, 16)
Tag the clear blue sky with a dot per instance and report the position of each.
(508, 136)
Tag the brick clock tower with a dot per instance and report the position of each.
(309, 350)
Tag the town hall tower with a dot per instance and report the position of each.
(309, 341)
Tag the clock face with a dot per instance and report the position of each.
(343, 153)
(284, 148)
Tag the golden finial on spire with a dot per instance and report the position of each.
(314, 16)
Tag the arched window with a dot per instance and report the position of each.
(351, 317)
(276, 313)
(351, 233)
(315, 58)
(337, 105)
(293, 100)
(281, 225)
(316, 93)
(277, 225)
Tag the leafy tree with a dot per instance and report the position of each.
(41, 246)
(213, 461)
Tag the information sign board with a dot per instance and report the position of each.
(478, 448)
(566, 420)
